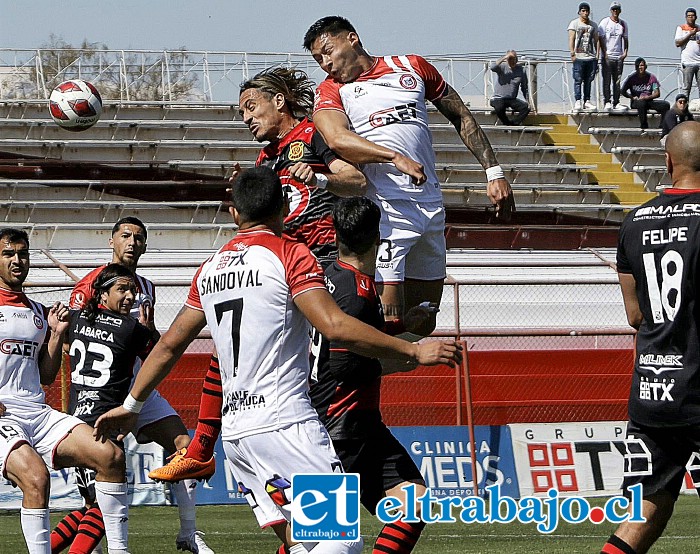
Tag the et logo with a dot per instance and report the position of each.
(326, 507)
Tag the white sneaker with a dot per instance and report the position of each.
(620, 108)
(608, 107)
(588, 106)
(577, 106)
(193, 543)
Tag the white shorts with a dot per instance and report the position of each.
(412, 242)
(154, 409)
(38, 425)
(263, 465)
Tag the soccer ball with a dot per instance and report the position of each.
(75, 105)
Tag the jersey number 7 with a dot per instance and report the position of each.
(236, 308)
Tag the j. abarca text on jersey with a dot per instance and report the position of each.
(659, 244)
(23, 328)
(386, 105)
(309, 220)
(247, 291)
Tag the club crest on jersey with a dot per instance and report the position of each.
(408, 81)
(38, 322)
(296, 151)
(359, 91)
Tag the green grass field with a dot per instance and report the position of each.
(232, 529)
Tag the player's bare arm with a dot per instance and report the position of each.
(629, 296)
(453, 108)
(344, 180)
(324, 314)
(335, 129)
(51, 351)
(187, 325)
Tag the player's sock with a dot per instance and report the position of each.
(113, 502)
(209, 425)
(184, 492)
(35, 527)
(398, 537)
(64, 533)
(616, 545)
(90, 532)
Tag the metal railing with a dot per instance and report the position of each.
(190, 76)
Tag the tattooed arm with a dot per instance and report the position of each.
(453, 108)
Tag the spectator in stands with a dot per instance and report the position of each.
(677, 114)
(510, 76)
(583, 45)
(614, 41)
(644, 90)
(656, 263)
(688, 39)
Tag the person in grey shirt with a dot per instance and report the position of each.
(510, 76)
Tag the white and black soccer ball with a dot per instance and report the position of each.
(75, 105)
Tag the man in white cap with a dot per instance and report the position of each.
(614, 43)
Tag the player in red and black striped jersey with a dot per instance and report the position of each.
(274, 105)
(309, 219)
(658, 260)
(345, 386)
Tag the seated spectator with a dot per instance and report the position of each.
(510, 76)
(644, 90)
(677, 114)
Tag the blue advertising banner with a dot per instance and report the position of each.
(443, 455)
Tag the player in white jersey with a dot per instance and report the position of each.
(33, 436)
(372, 111)
(158, 421)
(256, 294)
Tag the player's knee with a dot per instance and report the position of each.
(110, 462)
(35, 485)
(426, 328)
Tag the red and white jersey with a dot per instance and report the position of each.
(23, 328)
(247, 291)
(386, 105)
(82, 292)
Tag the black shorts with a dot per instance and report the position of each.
(382, 462)
(657, 457)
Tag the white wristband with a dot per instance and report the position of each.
(321, 180)
(495, 172)
(132, 405)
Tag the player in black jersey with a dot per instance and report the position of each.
(658, 262)
(103, 343)
(345, 386)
